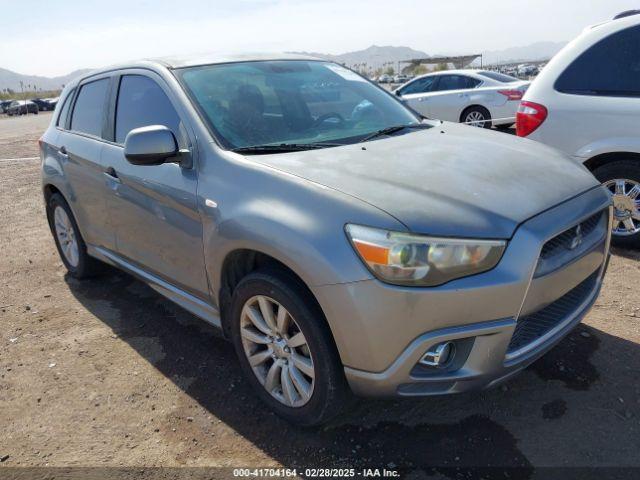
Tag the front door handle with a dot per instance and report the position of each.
(63, 151)
(112, 174)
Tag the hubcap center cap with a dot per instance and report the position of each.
(624, 205)
(280, 348)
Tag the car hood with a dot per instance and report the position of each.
(449, 180)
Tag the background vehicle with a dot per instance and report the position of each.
(44, 105)
(586, 102)
(242, 189)
(400, 78)
(22, 107)
(52, 101)
(385, 78)
(476, 97)
(526, 70)
(4, 105)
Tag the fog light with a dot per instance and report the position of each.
(439, 355)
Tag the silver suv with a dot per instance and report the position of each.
(343, 244)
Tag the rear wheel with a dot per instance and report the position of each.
(285, 349)
(622, 178)
(476, 116)
(69, 241)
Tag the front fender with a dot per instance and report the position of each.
(295, 221)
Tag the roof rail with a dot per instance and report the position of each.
(626, 13)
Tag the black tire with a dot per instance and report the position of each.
(331, 393)
(87, 266)
(477, 109)
(623, 169)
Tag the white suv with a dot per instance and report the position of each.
(586, 102)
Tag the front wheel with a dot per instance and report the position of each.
(285, 349)
(622, 178)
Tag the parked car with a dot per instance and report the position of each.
(52, 101)
(586, 102)
(385, 78)
(4, 105)
(22, 107)
(43, 104)
(480, 98)
(341, 243)
(400, 78)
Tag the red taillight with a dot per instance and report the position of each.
(511, 94)
(529, 117)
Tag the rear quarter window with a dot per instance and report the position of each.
(611, 67)
(64, 111)
(499, 77)
(88, 111)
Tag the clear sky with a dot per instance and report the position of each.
(53, 37)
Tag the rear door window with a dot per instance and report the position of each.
(421, 85)
(611, 67)
(456, 82)
(141, 102)
(88, 112)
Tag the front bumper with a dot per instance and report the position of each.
(382, 331)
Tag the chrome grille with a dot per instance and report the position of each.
(533, 326)
(572, 243)
(563, 241)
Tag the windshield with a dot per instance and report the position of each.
(290, 102)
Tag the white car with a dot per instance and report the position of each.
(480, 98)
(400, 78)
(586, 102)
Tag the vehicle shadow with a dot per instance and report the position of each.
(442, 435)
(626, 253)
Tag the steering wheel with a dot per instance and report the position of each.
(326, 116)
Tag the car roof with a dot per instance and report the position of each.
(213, 58)
(467, 71)
(620, 21)
(183, 61)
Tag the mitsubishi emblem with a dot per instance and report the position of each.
(577, 239)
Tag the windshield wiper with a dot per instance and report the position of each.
(392, 129)
(284, 147)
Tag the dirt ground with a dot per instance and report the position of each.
(107, 372)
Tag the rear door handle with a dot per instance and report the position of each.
(63, 151)
(112, 174)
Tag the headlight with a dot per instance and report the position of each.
(406, 259)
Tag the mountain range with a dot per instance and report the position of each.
(9, 79)
(378, 56)
(374, 56)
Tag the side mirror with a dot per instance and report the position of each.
(150, 145)
(397, 92)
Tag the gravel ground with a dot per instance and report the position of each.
(108, 373)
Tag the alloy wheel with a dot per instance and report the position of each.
(277, 351)
(626, 203)
(475, 119)
(66, 236)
